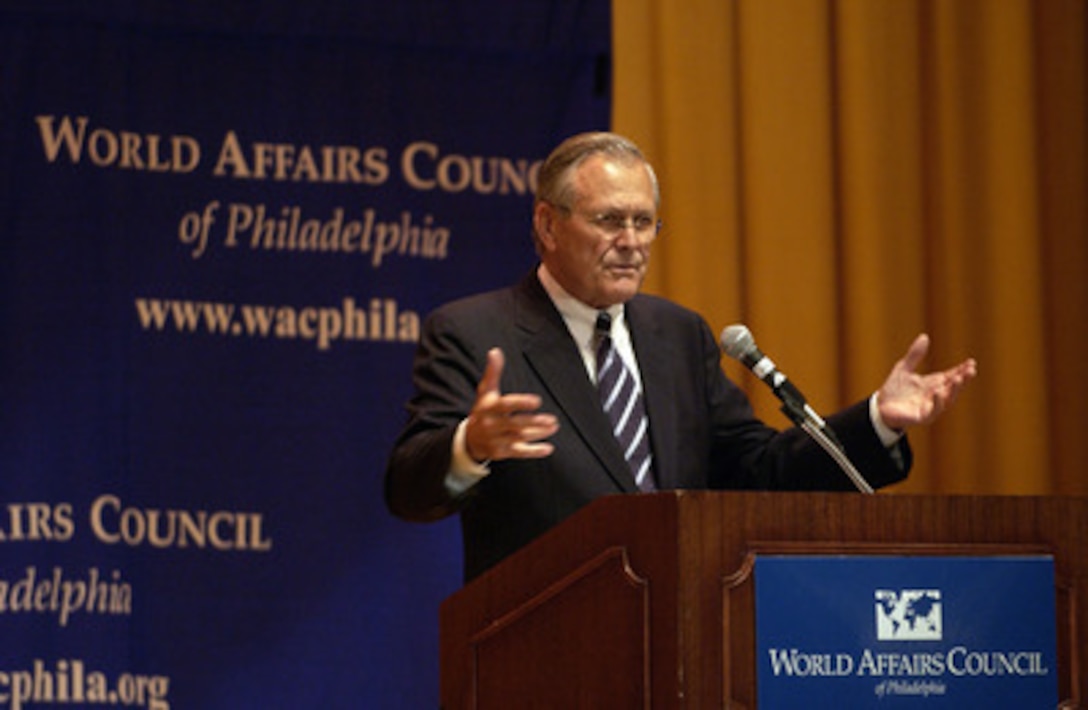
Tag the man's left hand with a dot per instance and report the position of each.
(908, 398)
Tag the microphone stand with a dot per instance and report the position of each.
(828, 442)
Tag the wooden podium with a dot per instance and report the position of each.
(647, 601)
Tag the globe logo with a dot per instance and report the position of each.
(908, 615)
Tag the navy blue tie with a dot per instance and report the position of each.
(621, 398)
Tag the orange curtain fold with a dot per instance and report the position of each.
(841, 175)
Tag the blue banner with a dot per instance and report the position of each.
(220, 233)
(917, 632)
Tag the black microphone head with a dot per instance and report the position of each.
(737, 342)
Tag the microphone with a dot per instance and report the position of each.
(738, 343)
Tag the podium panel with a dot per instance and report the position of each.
(540, 649)
(649, 601)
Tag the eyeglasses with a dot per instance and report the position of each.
(613, 224)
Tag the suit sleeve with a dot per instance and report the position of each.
(445, 372)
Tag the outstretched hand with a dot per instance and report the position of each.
(907, 398)
(502, 426)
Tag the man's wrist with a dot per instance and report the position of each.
(465, 472)
(887, 435)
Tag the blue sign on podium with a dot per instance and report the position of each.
(917, 632)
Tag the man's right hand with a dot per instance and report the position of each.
(504, 426)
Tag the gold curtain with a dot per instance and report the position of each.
(841, 175)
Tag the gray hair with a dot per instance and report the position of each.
(554, 184)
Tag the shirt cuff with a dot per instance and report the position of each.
(887, 435)
(464, 471)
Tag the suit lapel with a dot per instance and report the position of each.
(554, 357)
(657, 364)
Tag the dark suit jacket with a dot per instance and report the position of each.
(702, 428)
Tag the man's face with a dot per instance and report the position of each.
(596, 261)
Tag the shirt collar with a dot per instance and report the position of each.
(581, 319)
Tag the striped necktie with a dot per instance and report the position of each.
(621, 398)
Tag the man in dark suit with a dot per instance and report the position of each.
(507, 425)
